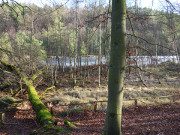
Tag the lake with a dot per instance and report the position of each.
(93, 60)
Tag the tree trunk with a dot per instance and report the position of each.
(71, 73)
(43, 115)
(117, 68)
(99, 56)
(76, 43)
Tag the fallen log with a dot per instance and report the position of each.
(43, 115)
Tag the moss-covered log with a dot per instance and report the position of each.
(43, 115)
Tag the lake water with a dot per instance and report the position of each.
(141, 60)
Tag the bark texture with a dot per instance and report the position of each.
(117, 67)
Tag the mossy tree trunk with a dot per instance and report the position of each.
(116, 68)
(43, 115)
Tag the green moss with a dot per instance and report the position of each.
(57, 129)
(44, 116)
(50, 130)
(69, 124)
(7, 101)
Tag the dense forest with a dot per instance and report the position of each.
(38, 32)
(45, 62)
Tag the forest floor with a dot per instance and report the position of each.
(153, 109)
(147, 120)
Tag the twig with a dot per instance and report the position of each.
(46, 90)
(37, 74)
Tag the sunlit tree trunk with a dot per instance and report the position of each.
(99, 57)
(109, 42)
(117, 68)
(70, 60)
(76, 42)
(87, 47)
(31, 45)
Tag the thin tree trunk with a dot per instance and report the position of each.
(87, 62)
(62, 60)
(30, 50)
(71, 73)
(59, 63)
(99, 57)
(76, 42)
(109, 45)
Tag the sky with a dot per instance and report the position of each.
(154, 4)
